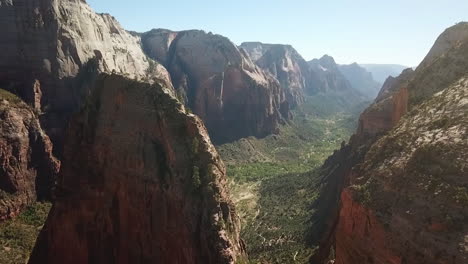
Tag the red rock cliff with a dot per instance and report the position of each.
(219, 82)
(27, 166)
(141, 183)
(404, 199)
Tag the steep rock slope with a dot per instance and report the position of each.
(411, 91)
(286, 64)
(219, 82)
(141, 183)
(361, 79)
(408, 200)
(48, 47)
(27, 166)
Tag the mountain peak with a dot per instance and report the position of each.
(450, 38)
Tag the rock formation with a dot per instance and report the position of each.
(141, 180)
(407, 202)
(219, 83)
(286, 64)
(404, 195)
(51, 54)
(299, 78)
(27, 166)
(141, 183)
(47, 48)
(329, 81)
(361, 80)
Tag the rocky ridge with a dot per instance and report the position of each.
(152, 194)
(382, 138)
(28, 169)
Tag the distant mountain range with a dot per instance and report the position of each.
(380, 72)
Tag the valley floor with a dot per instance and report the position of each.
(274, 181)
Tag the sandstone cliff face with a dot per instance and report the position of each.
(219, 83)
(407, 202)
(389, 106)
(394, 207)
(449, 39)
(286, 64)
(27, 166)
(46, 49)
(141, 183)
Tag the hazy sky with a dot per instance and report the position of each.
(365, 31)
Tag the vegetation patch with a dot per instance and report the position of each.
(18, 236)
(275, 180)
(11, 98)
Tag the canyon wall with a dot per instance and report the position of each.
(219, 83)
(141, 183)
(403, 199)
(28, 169)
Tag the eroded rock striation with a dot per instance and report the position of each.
(48, 48)
(286, 64)
(141, 182)
(219, 83)
(407, 200)
(402, 198)
(27, 167)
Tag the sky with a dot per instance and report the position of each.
(363, 31)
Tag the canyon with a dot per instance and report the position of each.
(183, 147)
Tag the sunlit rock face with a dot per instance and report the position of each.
(408, 197)
(141, 182)
(286, 64)
(403, 198)
(49, 49)
(219, 83)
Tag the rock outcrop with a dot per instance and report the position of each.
(47, 51)
(361, 80)
(27, 167)
(407, 202)
(141, 183)
(219, 83)
(404, 195)
(286, 64)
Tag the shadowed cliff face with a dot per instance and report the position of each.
(27, 166)
(47, 46)
(219, 83)
(403, 199)
(141, 183)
